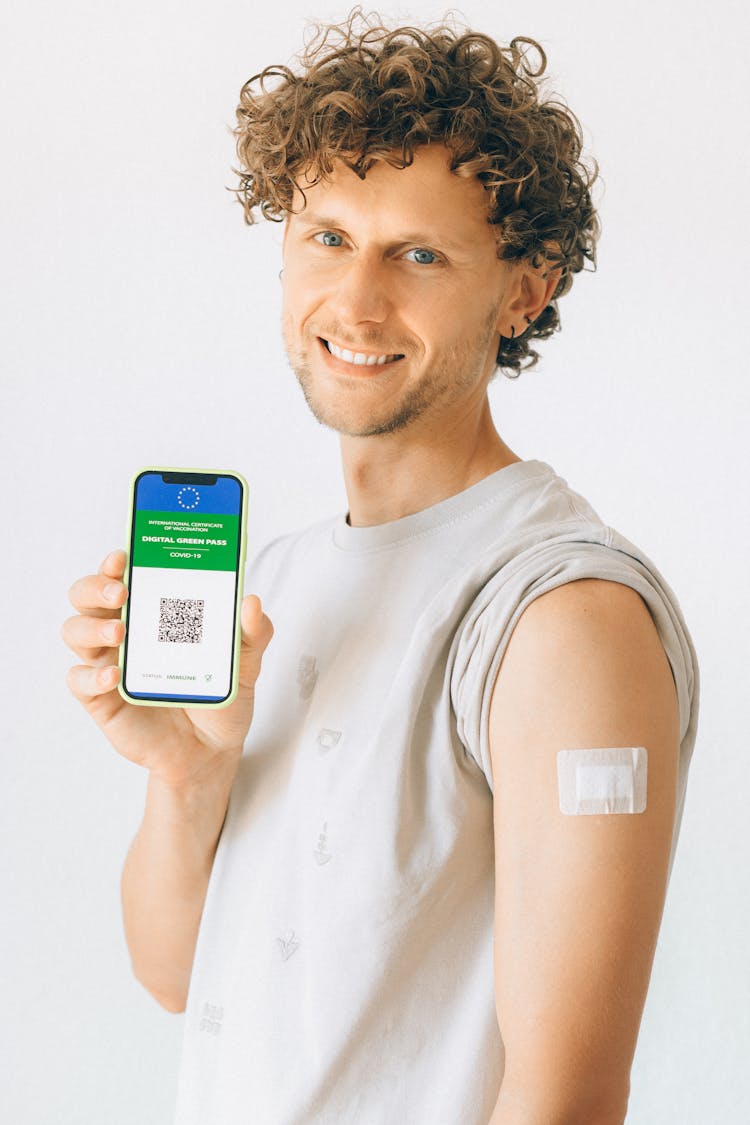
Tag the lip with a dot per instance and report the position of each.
(360, 370)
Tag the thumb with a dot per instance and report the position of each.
(257, 631)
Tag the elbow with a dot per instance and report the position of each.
(526, 1106)
(174, 1004)
(171, 996)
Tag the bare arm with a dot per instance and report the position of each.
(192, 756)
(165, 878)
(579, 898)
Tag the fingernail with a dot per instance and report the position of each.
(111, 590)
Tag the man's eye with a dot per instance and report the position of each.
(326, 234)
(422, 261)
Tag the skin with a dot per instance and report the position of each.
(414, 432)
(191, 756)
(579, 899)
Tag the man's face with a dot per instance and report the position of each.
(402, 263)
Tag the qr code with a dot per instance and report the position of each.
(181, 619)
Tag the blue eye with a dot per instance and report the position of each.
(421, 261)
(329, 234)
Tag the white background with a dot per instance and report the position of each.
(140, 325)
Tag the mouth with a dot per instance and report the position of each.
(351, 359)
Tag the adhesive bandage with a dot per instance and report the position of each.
(603, 780)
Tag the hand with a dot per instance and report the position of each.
(176, 744)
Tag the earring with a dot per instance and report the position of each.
(512, 331)
(280, 273)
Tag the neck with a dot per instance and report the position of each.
(389, 476)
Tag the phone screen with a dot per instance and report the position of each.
(183, 586)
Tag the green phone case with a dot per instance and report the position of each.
(240, 588)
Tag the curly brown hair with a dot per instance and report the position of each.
(364, 94)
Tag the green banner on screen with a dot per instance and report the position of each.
(165, 539)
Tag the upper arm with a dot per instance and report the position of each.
(579, 898)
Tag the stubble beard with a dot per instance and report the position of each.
(455, 371)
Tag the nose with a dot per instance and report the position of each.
(359, 291)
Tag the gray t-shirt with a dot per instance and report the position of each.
(344, 968)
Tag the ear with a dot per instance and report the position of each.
(529, 294)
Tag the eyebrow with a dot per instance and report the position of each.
(418, 237)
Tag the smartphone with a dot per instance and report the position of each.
(185, 565)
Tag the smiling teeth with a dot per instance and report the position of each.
(359, 357)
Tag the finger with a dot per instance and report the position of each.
(93, 638)
(114, 564)
(98, 595)
(87, 594)
(88, 684)
(257, 631)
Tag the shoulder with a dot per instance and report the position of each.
(584, 593)
(585, 662)
(587, 611)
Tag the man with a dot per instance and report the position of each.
(428, 862)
